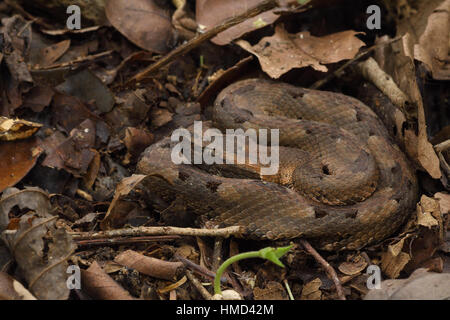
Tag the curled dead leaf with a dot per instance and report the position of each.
(150, 266)
(43, 263)
(14, 129)
(99, 285)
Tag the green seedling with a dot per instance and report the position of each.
(269, 253)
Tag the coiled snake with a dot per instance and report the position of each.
(342, 182)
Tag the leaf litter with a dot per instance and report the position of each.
(73, 129)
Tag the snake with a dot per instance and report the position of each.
(342, 182)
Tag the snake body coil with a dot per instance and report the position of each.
(342, 182)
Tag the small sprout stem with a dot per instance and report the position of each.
(269, 253)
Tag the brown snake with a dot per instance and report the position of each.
(342, 182)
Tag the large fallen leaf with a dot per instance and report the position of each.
(17, 159)
(421, 285)
(87, 87)
(43, 263)
(142, 22)
(210, 13)
(284, 51)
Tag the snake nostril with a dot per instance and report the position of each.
(319, 214)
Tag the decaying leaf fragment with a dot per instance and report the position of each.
(42, 262)
(311, 290)
(394, 259)
(11, 289)
(14, 129)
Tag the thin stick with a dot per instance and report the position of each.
(193, 43)
(321, 82)
(133, 240)
(328, 268)
(157, 231)
(217, 253)
(76, 61)
(200, 270)
(197, 284)
(288, 289)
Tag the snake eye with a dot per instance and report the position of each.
(326, 170)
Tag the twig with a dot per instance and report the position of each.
(76, 61)
(193, 43)
(372, 72)
(328, 268)
(133, 240)
(200, 270)
(205, 294)
(156, 231)
(321, 82)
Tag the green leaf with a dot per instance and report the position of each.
(274, 254)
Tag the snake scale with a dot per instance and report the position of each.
(342, 182)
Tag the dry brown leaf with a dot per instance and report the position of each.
(160, 117)
(99, 285)
(136, 140)
(150, 266)
(43, 263)
(210, 13)
(399, 63)
(427, 210)
(444, 202)
(284, 51)
(311, 290)
(393, 261)
(13, 129)
(17, 159)
(428, 24)
(117, 213)
(173, 286)
(38, 98)
(142, 22)
(11, 289)
(421, 285)
(52, 53)
(353, 267)
(183, 20)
